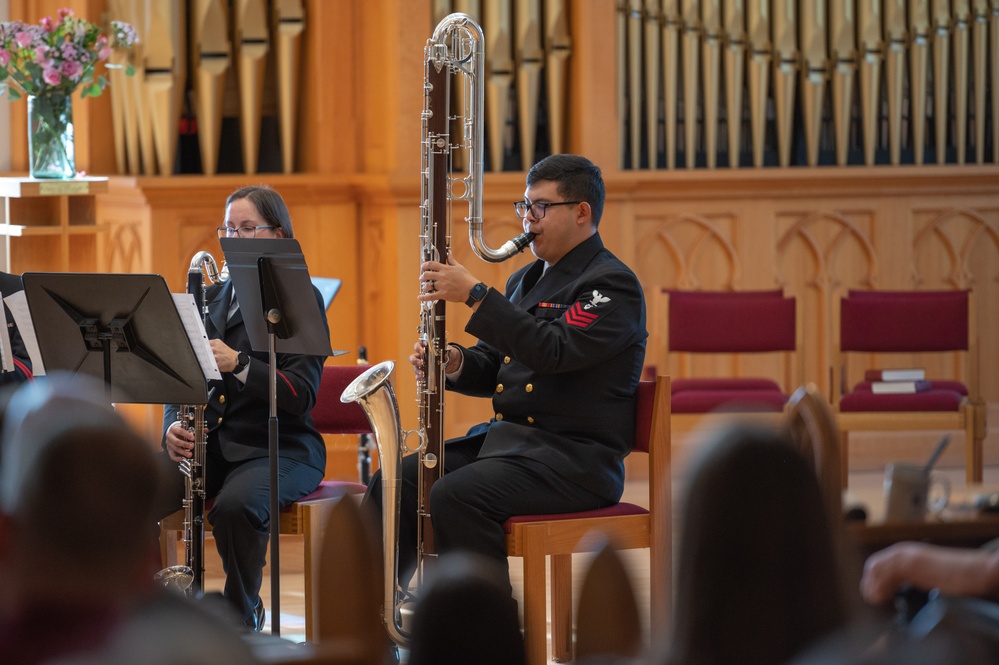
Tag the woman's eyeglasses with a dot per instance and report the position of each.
(241, 231)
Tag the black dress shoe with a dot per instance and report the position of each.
(258, 616)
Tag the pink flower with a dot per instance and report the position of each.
(47, 24)
(104, 53)
(52, 76)
(71, 69)
(63, 13)
(42, 56)
(4, 57)
(23, 39)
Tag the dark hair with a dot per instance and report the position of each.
(578, 179)
(269, 204)
(758, 572)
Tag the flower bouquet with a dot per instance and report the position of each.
(47, 62)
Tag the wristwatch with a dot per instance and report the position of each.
(477, 293)
(242, 360)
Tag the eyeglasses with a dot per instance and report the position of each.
(537, 209)
(241, 231)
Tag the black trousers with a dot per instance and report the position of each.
(469, 504)
(240, 515)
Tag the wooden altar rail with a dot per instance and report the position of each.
(812, 232)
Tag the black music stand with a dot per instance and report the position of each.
(275, 294)
(120, 328)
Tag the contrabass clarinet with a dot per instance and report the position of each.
(190, 577)
(457, 48)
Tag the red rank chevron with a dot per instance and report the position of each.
(577, 316)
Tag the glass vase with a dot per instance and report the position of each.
(50, 136)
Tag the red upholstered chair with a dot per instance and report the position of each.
(626, 525)
(918, 326)
(735, 324)
(307, 516)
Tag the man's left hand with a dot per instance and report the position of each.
(449, 281)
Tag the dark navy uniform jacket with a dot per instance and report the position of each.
(562, 362)
(237, 413)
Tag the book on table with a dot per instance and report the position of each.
(916, 374)
(899, 387)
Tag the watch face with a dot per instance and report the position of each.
(479, 291)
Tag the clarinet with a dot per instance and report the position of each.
(190, 577)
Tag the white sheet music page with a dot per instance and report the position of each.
(6, 352)
(18, 304)
(195, 328)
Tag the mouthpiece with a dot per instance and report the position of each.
(518, 244)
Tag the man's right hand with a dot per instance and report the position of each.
(179, 442)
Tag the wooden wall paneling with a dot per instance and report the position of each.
(821, 253)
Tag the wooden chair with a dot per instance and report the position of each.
(626, 525)
(303, 517)
(811, 427)
(734, 326)
(920, 326)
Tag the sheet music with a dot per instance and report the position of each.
(6, 352)
(18, 304)
(195, 328)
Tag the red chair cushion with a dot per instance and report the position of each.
(899, 322)
(931, 400)
(616, 510)
(730, 322)
(332, 489)
(328, 489)
(706, 401)
(738, 383)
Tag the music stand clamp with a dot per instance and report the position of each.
(279, 307)
(145, 356)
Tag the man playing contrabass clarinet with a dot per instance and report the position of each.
(560, 354)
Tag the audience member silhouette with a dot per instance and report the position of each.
(758, 575)
(465, 614)
(77, 547)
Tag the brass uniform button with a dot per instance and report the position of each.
(530, 419)
(499, 416)
(220, 420)
(529, 388)
(221, 399)
(506, 360)
(499, 388)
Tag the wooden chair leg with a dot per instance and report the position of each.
(974, 434)
(561, 594)
(844, 454)
(535, 598)
(168, 546)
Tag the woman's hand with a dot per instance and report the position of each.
(179, 442)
